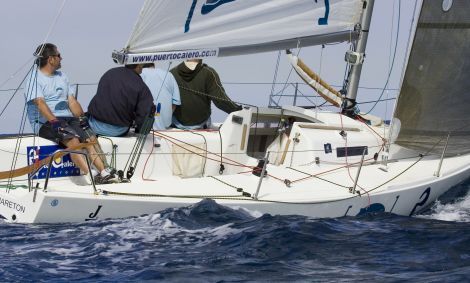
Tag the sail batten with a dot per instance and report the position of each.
(242, 26)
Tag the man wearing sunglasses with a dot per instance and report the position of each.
(56, 115)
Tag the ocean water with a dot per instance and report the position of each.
(212, 243)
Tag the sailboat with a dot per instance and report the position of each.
(286, 160)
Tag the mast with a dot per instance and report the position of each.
(356, 58)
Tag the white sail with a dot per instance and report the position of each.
(229, 27)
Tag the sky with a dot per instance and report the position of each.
(87, 31)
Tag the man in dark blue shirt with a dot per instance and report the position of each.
(122, 99)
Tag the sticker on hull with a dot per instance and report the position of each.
(61, 167)
(373, 208)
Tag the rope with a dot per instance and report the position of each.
(315, 176)
(20, 131)
(163, 82)
(420, 157)
(16, 90)
(225, 183)
(14, 74)
(393, 60)
(281, 92)
(231, 162)
(136, 151)
(53, 25)
(148, 157)
(205, 150)
(324, 172)
(13, 187)
(228, 197)
(233, 197)
(168, 138)
(222, 167)
(275, 77)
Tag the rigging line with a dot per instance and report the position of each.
(389, 65)
(221, 170)
(380, 100)
(420, 157)
(235, 83)
(328, 171)
(287, 79)
(163, 82)
(14, 74)
(230, 197)
(148, 157)
(28, 95)
(393, 59)
(205, 151)
(307, 97)
(28, 61)
(215, 97)
(320, 178)
(16, 91)
(17, 145)
(44, 41)
(170, 139)
(321, 60)
(232, 162)
(219, 85)
(275, 78)
(235, 162)
(139, 145)
(300, 83)
(52, 25)
(196, 153)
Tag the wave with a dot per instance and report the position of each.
(210, 242)
(452, 206)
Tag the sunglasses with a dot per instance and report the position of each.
(58, 55)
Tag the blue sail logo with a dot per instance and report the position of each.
(324, 21)
(206, 8)
(211, 5)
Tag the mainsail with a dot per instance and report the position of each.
(434, 100)
(230, 27)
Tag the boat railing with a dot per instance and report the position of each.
(353, 189)
(49, 166)
(261, 176)
(438, 171)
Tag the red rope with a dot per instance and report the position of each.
(148, 157)
(231, 161)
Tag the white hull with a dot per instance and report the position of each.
(406, 187)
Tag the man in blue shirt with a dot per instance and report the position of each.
(55, 114)
(165, 93)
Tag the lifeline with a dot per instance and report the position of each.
(12, 205)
